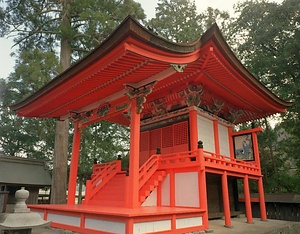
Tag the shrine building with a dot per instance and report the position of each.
(181, 103)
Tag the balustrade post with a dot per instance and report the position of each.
(202, 185)
(193, 129)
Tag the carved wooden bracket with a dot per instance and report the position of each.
(139, 93)
(193, 94)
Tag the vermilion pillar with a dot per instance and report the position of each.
(216, 136)
(262, 205)
(133, 181)
(203, 189)
(137, 96)
(74, 164)
(256, 149)
(226, 203)
(193, 129)
(247, 200)
(231, 148)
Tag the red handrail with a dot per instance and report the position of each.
(165, 161)
(177, 160)
(148, 169)
(104, 173)
(212, 159)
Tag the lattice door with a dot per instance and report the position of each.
(169, 139)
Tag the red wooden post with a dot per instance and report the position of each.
(74, 164)
(230, 138)
(247, 200)
(193, 129)
(203, 189)
(172, 188)
(256, 150)
(262, 205)
(133, 181)
(216, 136)
(226, 203)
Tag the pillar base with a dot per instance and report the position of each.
(250, 222)
(209, 231)
(228, 226)
(264, 220)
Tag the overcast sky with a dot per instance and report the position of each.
(7, 62)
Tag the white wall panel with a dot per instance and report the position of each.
(64, 219)
(224, 141)
(206, 133)
(104, 225)
(188, 222)
(151, 200)
(152, 226)
(186, 189)
(165, 191)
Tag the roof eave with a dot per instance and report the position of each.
(129, 27)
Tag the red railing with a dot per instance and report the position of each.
(194, 158)
(228, 163)
(148, 169)
(165, 161)
(178, 160)
(102, 173)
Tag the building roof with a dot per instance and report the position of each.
(23, 171)
(137, 56)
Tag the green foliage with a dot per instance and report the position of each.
(267, 36)
(37, 24)
(178, 20)
(22, 136)
(38, 28)
(267, 39)
(102, 142)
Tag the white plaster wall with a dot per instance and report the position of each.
(104, 225)
(186, 189)
(64, 219)
(188, 222)
(206, 133)
(224, 140)
(152, 226)
(151, 200)
(165, 191)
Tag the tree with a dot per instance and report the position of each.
(178, 20)
(267, 39)
(74, 27)
(21, 136)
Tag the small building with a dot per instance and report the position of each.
(17, 172)
(182, 103)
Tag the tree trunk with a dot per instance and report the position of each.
(60, 164)
(80, 181)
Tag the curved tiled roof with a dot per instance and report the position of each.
(134, 55)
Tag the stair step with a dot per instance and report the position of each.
(151, 184)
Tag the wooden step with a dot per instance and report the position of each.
(112, 194)
(151, 184)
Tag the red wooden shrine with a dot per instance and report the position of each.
(172, 96)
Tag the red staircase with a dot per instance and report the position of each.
(151, 184)
(112, 193)
(108, 184)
